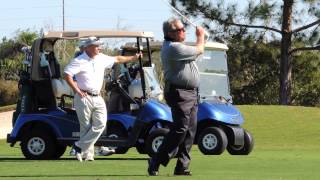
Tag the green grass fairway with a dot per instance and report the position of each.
(283, 127)
(286, 148)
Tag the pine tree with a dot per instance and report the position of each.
(286, 20)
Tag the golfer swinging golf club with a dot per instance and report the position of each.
(181, 94)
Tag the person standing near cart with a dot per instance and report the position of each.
(99, 150)
(88, 68)
(181, 94)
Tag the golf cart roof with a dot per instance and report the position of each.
(46, 43)
(99, 33)
(156, 45)
(216, 46)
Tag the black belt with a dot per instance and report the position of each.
(89, 93)
(182, 87)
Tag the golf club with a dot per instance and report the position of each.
(185, 18)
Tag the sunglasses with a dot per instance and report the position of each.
(179, 30)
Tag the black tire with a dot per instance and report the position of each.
(242, 150)
(38, 144)
(212, 141)
(118, 132)
(154, 140)
(141, 148)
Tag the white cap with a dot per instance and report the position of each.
(92, 41)
(81, 43)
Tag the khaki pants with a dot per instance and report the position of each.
(92, 115)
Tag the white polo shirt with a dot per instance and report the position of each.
(89, 72)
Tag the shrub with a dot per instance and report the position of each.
(8, 92)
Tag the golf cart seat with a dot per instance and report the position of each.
(49, 71)
(60, 87)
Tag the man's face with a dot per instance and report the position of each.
(178, 34)
(92, 50)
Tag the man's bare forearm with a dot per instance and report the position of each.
(125, 59)
(200, 40)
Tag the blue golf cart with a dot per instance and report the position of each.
(45, 122)
(219, 122)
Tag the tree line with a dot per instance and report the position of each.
(293, 23)
(253, 64)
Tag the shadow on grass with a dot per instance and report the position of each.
(19, 159)
(68, 175)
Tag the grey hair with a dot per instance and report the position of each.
(169, 26)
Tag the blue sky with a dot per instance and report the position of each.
(136, 15)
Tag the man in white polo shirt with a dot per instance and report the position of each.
(88, 68)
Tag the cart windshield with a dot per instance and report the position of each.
(213, 71)
(153, 86)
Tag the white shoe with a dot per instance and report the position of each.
(79, 156)
(104, 151)
(78, 152)
(89, 158)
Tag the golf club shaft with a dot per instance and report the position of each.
(184, 17)
(175, 10)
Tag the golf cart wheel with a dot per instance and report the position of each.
(242, 150)
(117, 132)
(39, 145)
(154, 140)
(212, 141)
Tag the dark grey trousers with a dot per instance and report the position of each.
(178, 142)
